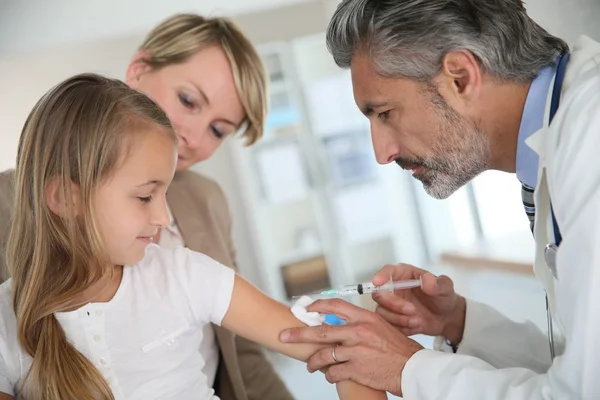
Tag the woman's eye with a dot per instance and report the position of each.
(218, 134)
(185, 101)
(145, 199)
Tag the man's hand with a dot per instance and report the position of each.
(434, 309)
(369, 350)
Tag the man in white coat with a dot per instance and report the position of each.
(453, 88)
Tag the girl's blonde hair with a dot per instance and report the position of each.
(76, 135)
(181, 36)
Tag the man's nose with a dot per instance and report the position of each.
(386, 148)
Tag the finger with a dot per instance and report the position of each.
(395, 303)
(406, 331)
(399, 320)
(392, 317)
(397, 272)
(323, 334)
(324, 358)
(437, 286)
(339, 373)
(412, 331)
(342, 309)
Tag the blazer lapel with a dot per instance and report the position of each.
(189, 223)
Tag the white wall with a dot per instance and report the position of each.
(567, 18)
(36, 24)
(25, 78)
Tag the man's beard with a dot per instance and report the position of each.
(460, 153)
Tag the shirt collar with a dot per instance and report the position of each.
(531, 122)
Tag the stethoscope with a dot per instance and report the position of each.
(552, 248)
(550, 254)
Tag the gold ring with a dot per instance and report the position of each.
(333, 354)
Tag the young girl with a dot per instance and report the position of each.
(94, 310)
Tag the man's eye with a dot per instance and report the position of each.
(383, 116)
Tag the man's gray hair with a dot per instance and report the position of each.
(409, 38)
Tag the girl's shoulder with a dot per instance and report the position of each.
(183, 279)
(161, 266)
(158, 259)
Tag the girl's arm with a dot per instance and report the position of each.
(259, 318)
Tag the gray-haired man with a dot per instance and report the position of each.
(453, 88)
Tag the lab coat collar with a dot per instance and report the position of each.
(536, 142)
(582, 47)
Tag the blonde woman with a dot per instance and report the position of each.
(93, 308)
(211, 83)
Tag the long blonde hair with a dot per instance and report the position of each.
(77, 134)
(181, 36)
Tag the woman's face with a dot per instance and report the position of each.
(200, 98)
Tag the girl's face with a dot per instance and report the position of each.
(131, 206)
(200, 98)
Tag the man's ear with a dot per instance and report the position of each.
(461, 75)
(57, 201)
(137, 67)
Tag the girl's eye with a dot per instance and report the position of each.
(145, 199)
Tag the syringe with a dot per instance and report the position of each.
(369, 288)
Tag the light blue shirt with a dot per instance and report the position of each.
(531, 122)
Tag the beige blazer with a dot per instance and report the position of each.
(200, 209)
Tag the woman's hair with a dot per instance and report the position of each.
(76, 136)
(181, 36)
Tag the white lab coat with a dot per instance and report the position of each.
(502, 359)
